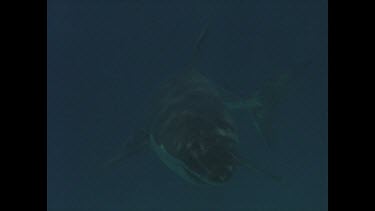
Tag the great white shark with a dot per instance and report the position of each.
(193, 132)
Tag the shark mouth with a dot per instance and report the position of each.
(216, 166)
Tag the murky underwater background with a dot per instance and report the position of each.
(106, 58)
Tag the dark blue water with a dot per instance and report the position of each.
(106, 58)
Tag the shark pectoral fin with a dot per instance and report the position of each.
(134, 146)
(251, 166)
(256, 168)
